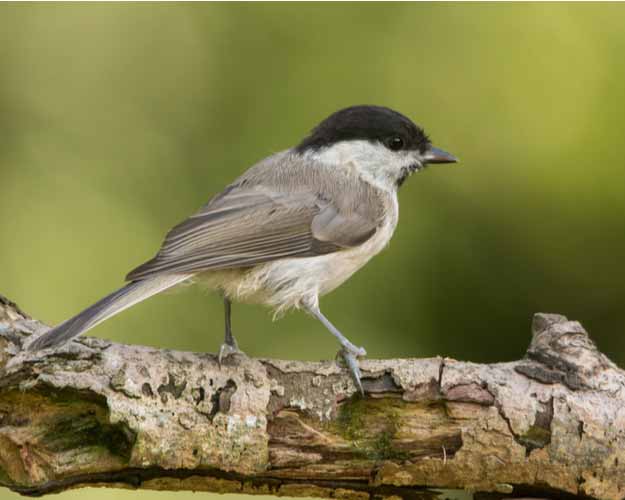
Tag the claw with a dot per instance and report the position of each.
(226, 350)
(349, 352)
(351, 360)
(360, 352)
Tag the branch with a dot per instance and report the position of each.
(95, 413)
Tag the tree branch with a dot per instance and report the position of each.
(95, 413)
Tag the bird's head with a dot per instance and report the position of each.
(382, 145)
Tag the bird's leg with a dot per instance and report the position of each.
(230, 344)
(351, 361)
(349, 352)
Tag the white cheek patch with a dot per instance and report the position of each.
(374, 162)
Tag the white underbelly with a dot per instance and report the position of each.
(290, 283)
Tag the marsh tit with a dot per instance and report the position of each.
(292, 228)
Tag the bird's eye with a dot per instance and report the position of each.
(395, 143)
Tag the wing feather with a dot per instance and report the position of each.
(255, 222)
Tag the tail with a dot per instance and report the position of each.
(110, 305)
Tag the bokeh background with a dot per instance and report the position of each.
(119, 120)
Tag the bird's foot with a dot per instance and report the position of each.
(228, 349)
(350, 355)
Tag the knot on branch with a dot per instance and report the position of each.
(14, 326)
(9, 311)
(561, 351)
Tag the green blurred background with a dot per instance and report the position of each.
(119, 120)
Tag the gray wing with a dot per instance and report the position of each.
(276, 210)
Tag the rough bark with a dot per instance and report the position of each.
(97, 413)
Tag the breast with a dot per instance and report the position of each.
(291, 282)
(341, 265)
(288, 283)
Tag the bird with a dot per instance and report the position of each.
(290, 229)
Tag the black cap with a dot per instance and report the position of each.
(373, 123)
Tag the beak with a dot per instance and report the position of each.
(435, 155)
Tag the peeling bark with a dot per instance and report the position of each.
(97, 413)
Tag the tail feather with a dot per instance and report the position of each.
(110, 305)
